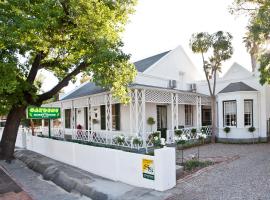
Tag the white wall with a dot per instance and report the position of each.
(241, 131)
(170, 66)
(110, 163)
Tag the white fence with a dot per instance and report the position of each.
(170, 134)
(109, 163)
(101, 137)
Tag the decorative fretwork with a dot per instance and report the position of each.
(137, 111)
(187, 99)
(156, 96)
(108, 101)
(174, 106)
(199, 110)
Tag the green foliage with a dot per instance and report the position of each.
(251, 129)
(219, 48)
(137, 142)
(194, 164)
(258, 29)
(227, 130)
(178, 133)
(150, 121)
(193, 132)
(65, 38)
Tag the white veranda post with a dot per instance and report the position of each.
(73, 115)
(108, 102)
(89, 116)
(174, 110)
(137, 112)
(198, 112)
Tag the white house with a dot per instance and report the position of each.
(168, 89)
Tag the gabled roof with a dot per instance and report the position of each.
(87, 89)
(236, 70)
(237, 87)
(91, 88)
(144, 64)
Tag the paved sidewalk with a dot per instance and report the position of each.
(9, 189)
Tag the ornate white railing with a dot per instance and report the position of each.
(170, 135)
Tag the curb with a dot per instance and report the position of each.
(50, 172)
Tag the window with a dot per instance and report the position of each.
(115, 117)
(248, 112)
(188, 115)
(67, 118)
(229, 113)
(102, 117)
(86, 117)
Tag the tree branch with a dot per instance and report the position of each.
(47, 95)
(35, 67)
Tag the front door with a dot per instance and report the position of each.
(162, 120)
(206, 115)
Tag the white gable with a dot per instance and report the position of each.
(175, 65)
(237, 71)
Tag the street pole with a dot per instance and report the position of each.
(49, 127)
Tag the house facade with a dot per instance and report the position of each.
(168, 91)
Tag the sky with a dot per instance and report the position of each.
(161, 25)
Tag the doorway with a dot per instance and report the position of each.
(206, 116)
(162, 120)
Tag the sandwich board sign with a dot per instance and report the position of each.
(148, 169)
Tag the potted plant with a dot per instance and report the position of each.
(137, 142)
(252, 130)
(193, 132)
(227, 130)
(151, 122)
(155, 138)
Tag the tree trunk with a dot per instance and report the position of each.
(214, 118)
(253, 62)
(9, 136)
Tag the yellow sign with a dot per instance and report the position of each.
(148, 169)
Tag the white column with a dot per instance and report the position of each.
(136, 112)
(62, 117)
(172, 110)
(198, 112)
(143, 114)
(108, 106)
(73, 119)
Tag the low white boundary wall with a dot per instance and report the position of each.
(109, 163)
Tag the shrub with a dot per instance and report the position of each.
(151, 122)
(251, 129)
(193, 132)
(119, 139)
(227, 130)
(190, 165)
(137, 141)
(178, 133)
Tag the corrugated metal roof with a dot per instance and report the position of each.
(144, 64)
(237, 87)
(87, 89)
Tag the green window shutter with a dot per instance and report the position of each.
(102, 117)
(117, 116)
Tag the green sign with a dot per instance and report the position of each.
(43, 113)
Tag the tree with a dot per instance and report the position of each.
(218, 47)
(65, 37)
(85, 78)
(258, 31)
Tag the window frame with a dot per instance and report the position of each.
(191, 114)
(252, 113)
(223, 105)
